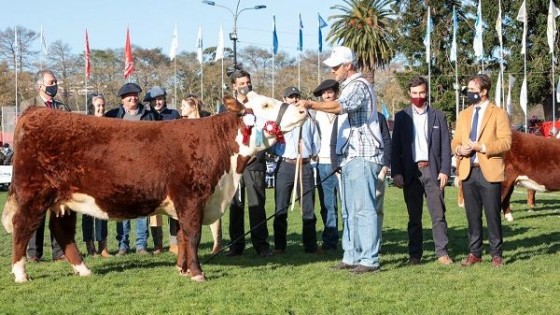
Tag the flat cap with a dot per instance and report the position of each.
(154, 92)
(129, 88)
(325, 85)
(291, 91)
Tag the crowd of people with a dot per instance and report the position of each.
(343, 149)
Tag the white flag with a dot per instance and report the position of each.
(553, 12)
(477, 44)
(522, 17)
(511, 82)
(499, 24)
(220, 48)
(427, 37)
(558, 90)
(498, 91)
(174, 44)
(523, 96)
(199, 45)
(43, 42)
(453, 52)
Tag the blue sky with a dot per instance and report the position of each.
(151, 22)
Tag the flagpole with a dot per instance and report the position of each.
(175, 82)
(553, 93)
(16, 67)
(273, 72)
(222, 87)
(201, 82)
(299, 71)
(318, 67)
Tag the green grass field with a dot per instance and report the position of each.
(298, 283)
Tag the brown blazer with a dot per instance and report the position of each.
(495, 134)
(38, 101)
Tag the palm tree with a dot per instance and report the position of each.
(365, 27)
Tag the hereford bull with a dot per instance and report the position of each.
(115, 169)
(532, 162)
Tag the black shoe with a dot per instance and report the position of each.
(233, 253)
(265, 253)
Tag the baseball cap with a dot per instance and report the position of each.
(339, 55)
(291, 91)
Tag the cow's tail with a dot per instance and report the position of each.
(10, 208)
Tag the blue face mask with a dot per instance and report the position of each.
(51, 90)
(473, 97)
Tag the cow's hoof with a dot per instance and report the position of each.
(22, 278)
(81, 270)
(199, 278)
(185, 274)
(509, 217)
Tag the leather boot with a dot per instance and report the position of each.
(102, 247)
(157, 235)
(90, 247)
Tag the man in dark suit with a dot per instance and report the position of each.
(47, 86)
(420, 164)
(482, 137)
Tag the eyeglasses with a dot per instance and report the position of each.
(335, 68)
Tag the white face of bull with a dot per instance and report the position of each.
(267, 109)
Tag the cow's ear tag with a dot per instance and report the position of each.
(249, 119)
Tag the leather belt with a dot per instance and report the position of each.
(422, 164)
(294, 161)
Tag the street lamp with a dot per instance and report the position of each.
(233, 35)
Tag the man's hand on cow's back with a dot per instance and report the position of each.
(398, 181)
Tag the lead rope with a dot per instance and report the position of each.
(270, 217)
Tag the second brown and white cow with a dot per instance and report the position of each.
(114, 169)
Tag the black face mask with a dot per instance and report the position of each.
(51, 90)
(473, 97)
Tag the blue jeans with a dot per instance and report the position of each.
(328, 189)
(123, 230)
(89, 224)
(360, 234)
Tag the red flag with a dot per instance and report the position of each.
(86, 54)
(128, 60)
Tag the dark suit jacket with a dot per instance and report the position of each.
(38, 101)
(439, 145)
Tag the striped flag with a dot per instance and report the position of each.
(87, 56)
(499, 24)
(477, 44)
(523, 96)
(300, 42)
(220, 48)
(174, 44)
(274, 36)
(453, 52)
(199, 45)
(128, 59)
(322, 24)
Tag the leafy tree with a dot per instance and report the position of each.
(365, 27)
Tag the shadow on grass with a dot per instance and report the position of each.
(541, 205)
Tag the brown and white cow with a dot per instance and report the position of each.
(114, 169)
(532, 162)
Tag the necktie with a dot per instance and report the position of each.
(474, 130)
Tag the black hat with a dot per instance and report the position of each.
(291, 91)
(325, 85)
(129, 88)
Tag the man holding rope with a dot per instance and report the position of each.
(360, 151)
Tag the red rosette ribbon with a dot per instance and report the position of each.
(273, 128)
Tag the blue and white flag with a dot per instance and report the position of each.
(300, 42)
(427, 37)
(477, 44)
(322, 24)
(274, 36)
(453, 52)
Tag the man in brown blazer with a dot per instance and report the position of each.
(482, 137)
(47, 86)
